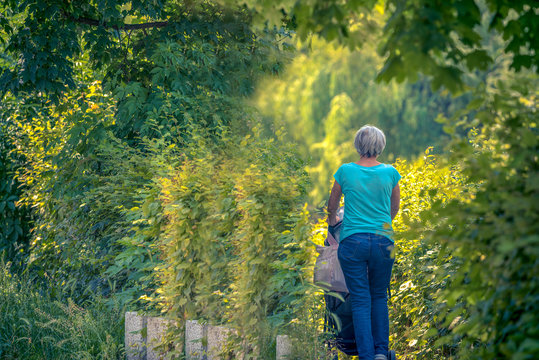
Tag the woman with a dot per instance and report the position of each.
(371, 201)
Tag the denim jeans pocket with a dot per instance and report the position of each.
(386, 250)
(346, 250)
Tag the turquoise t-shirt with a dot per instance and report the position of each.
(367, 198)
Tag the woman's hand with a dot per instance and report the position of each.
(335, 219)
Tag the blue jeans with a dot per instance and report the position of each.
(366, 263)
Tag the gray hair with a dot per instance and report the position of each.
(369, 141)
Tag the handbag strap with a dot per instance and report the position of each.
(331, 240)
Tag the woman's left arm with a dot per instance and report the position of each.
(333, 203)
(395, 201)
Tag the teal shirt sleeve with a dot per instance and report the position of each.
(339, 176)
(396, 177)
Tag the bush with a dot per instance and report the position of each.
(491, 301)
(234, 247)
(416, 286)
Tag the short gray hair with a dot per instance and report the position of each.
(369, 141)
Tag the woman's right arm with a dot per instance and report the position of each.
(395, 201)
(333, 203)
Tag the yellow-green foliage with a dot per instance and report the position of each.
(491, 302)
(60, 144)
(414, 286)
(235, 247)
(14, 218)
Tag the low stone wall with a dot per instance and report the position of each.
(202, 342)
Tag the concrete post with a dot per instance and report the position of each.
(157, 329)
(195, 339)
(202, 342)
(284, 347)
(217, 338)
(135, 334)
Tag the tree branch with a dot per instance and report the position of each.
(93, 22)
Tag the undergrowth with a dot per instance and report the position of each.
(33, 325)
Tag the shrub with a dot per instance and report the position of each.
(416, 284)
(490, 303)
(234, 249)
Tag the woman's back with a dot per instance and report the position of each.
(367, 193)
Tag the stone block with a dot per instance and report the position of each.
(195, 339)
(135, 330)
(157, 329)
(284, 347)
(217, 338)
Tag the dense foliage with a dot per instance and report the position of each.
(125, 40)
(124, 131)
(414, 307)
(235, 244)
(492, 228)
(102, 157)
(14, 233)
(441, 39)
(87, 148)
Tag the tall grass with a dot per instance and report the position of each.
(35, 326)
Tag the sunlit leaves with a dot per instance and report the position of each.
(491, 231)
(417, 281)
(14, 219)
(444, 33)
(234, 246)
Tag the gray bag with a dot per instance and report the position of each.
(327, 271)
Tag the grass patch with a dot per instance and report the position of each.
(35, 326)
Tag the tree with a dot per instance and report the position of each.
(438, 38)
(14, 219)
(119, 39)
(91, 86)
